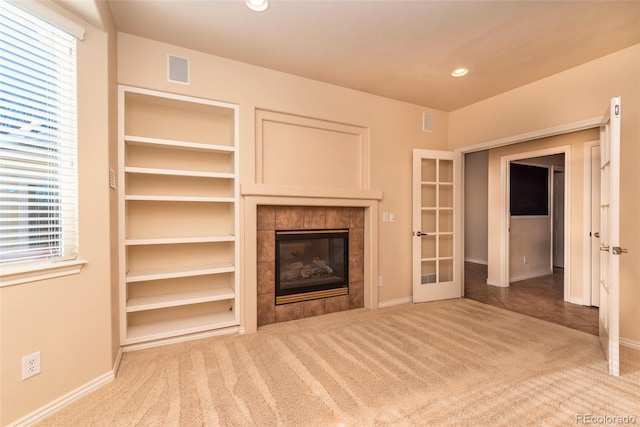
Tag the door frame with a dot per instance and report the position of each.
(504, 212)
(587, 295)
(554, 170)
(593, 122)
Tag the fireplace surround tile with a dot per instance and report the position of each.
(334, 304)
(266, 246)
(267, 218)
(289, 217)
(356, 217)
(272, 218)
(337, 217)
(356, 241)
(314, 217)
(266, 309)
(356, 268)
(287, 312)
(313, 308)
(356, 295)
(266, 277)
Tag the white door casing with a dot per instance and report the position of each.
(610, 250)
(437, 262)
(558, 218)
(594, 242)
(591, 228)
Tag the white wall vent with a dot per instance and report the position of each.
(178, 69)
(428, 278)
(426, 122)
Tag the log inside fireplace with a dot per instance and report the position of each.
(311, 264)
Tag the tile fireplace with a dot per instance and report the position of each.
(310, 261)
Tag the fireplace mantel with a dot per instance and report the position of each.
(254, 195)
(307, 192)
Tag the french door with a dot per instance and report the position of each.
(610, 250)
(436, 258)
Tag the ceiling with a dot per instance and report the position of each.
(399, 49)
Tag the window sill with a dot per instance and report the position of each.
(32, 273)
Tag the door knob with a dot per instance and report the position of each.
(419, 233)
(617, 250)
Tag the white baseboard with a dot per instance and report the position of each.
(63, 401)
(181, 338)
(116, 364)
(574, 300)
(406, 300)
(531, 276)
(495, 283)
(629, 343)
(477, 261)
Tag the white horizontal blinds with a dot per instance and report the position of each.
(38, 139)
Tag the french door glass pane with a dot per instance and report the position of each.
(428, 195)
(445, 198)
(445, 270)
(445, 221)
(429, 170)
(445, 171)
(446, 245)
(428, 246)
(428, 221)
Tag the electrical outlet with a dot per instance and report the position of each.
(524, 260)
(30, 365)
(379, 281)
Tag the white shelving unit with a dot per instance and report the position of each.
(179, 216)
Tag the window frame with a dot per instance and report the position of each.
(20, 270)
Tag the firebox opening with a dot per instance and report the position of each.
(311, 264)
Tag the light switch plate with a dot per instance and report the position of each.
(112, 178)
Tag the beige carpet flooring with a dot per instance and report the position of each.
(455, 362)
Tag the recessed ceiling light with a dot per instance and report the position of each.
(459, 72)
(257, 5)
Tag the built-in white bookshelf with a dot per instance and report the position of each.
(179, 216)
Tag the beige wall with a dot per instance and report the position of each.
(69, 319)
(530, 239)
(395, 128)
(576, 94)
(476, 166)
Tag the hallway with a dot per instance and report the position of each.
(540, 297)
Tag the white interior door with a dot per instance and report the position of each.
(595, 225)
(436, 249)
(610, 250)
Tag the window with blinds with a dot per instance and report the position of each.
(38, 139)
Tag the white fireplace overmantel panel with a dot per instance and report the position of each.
(254, 195)
(291, 149)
